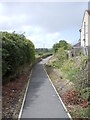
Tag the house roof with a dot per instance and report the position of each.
(88, 12)
(77, 44)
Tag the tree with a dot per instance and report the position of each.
(62, 43)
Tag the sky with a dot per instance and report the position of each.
(43, 23)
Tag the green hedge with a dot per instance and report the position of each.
(16, 52)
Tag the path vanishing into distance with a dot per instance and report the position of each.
(41, 99)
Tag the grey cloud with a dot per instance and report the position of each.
(62, 18)
(50, 16)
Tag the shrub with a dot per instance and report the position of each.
(16, 52)
(61, 56)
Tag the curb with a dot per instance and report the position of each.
(58, 95)
(20, 113)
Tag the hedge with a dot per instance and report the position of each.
(17, 51)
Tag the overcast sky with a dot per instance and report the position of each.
(44, 23)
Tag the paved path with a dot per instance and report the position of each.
(42, 100)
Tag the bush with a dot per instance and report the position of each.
(16, 52)
(61, 56)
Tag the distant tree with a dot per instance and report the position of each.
(62, 43)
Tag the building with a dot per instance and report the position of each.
(85, 30)
(84, 42)
(77, 45)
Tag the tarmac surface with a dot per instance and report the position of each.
(41, 99)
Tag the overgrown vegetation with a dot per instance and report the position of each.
(73, 66)
(61, 56)
(17, 52)
(74, 69)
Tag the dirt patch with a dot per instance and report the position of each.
(73, 98)
(12, 96)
